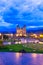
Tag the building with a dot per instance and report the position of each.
(6, 36)
(1, 36)
(21, 31)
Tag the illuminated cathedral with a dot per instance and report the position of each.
(21, 31)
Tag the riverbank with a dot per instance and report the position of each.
(26, 48)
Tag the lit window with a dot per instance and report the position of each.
(40, 42)
(16, 42)
(20, 34)
(19, 42)
(0, 34)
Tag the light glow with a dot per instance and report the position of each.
(0, 34)
(41, 35)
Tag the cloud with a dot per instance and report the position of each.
(40, 7)
(3, 23)
(35, 26)
(27, 10)
(21, 5)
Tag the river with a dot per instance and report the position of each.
(11, 58)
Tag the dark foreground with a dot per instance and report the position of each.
(10, 58)
(25, 48)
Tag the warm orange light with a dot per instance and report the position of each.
(40, 42)
(25, 35)
(34, 55)
(17, 35)
(18, 55)
(0, 34)
(20, 34)
(41, 35)
(16, 42)
(18, 31)
(34, 35)
(19, 42)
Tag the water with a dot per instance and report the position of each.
(8, 58)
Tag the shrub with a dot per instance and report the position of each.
(1, 42)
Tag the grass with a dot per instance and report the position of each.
(36, 48)
(14, 48)
(29, 47)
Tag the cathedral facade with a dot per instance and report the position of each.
(21, 31)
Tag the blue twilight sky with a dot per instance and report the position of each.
(22, 12)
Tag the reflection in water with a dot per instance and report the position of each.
(1, 61)
(41, 54)
(17, 58)
(8, 58)
(34, 55)
(18, 55)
